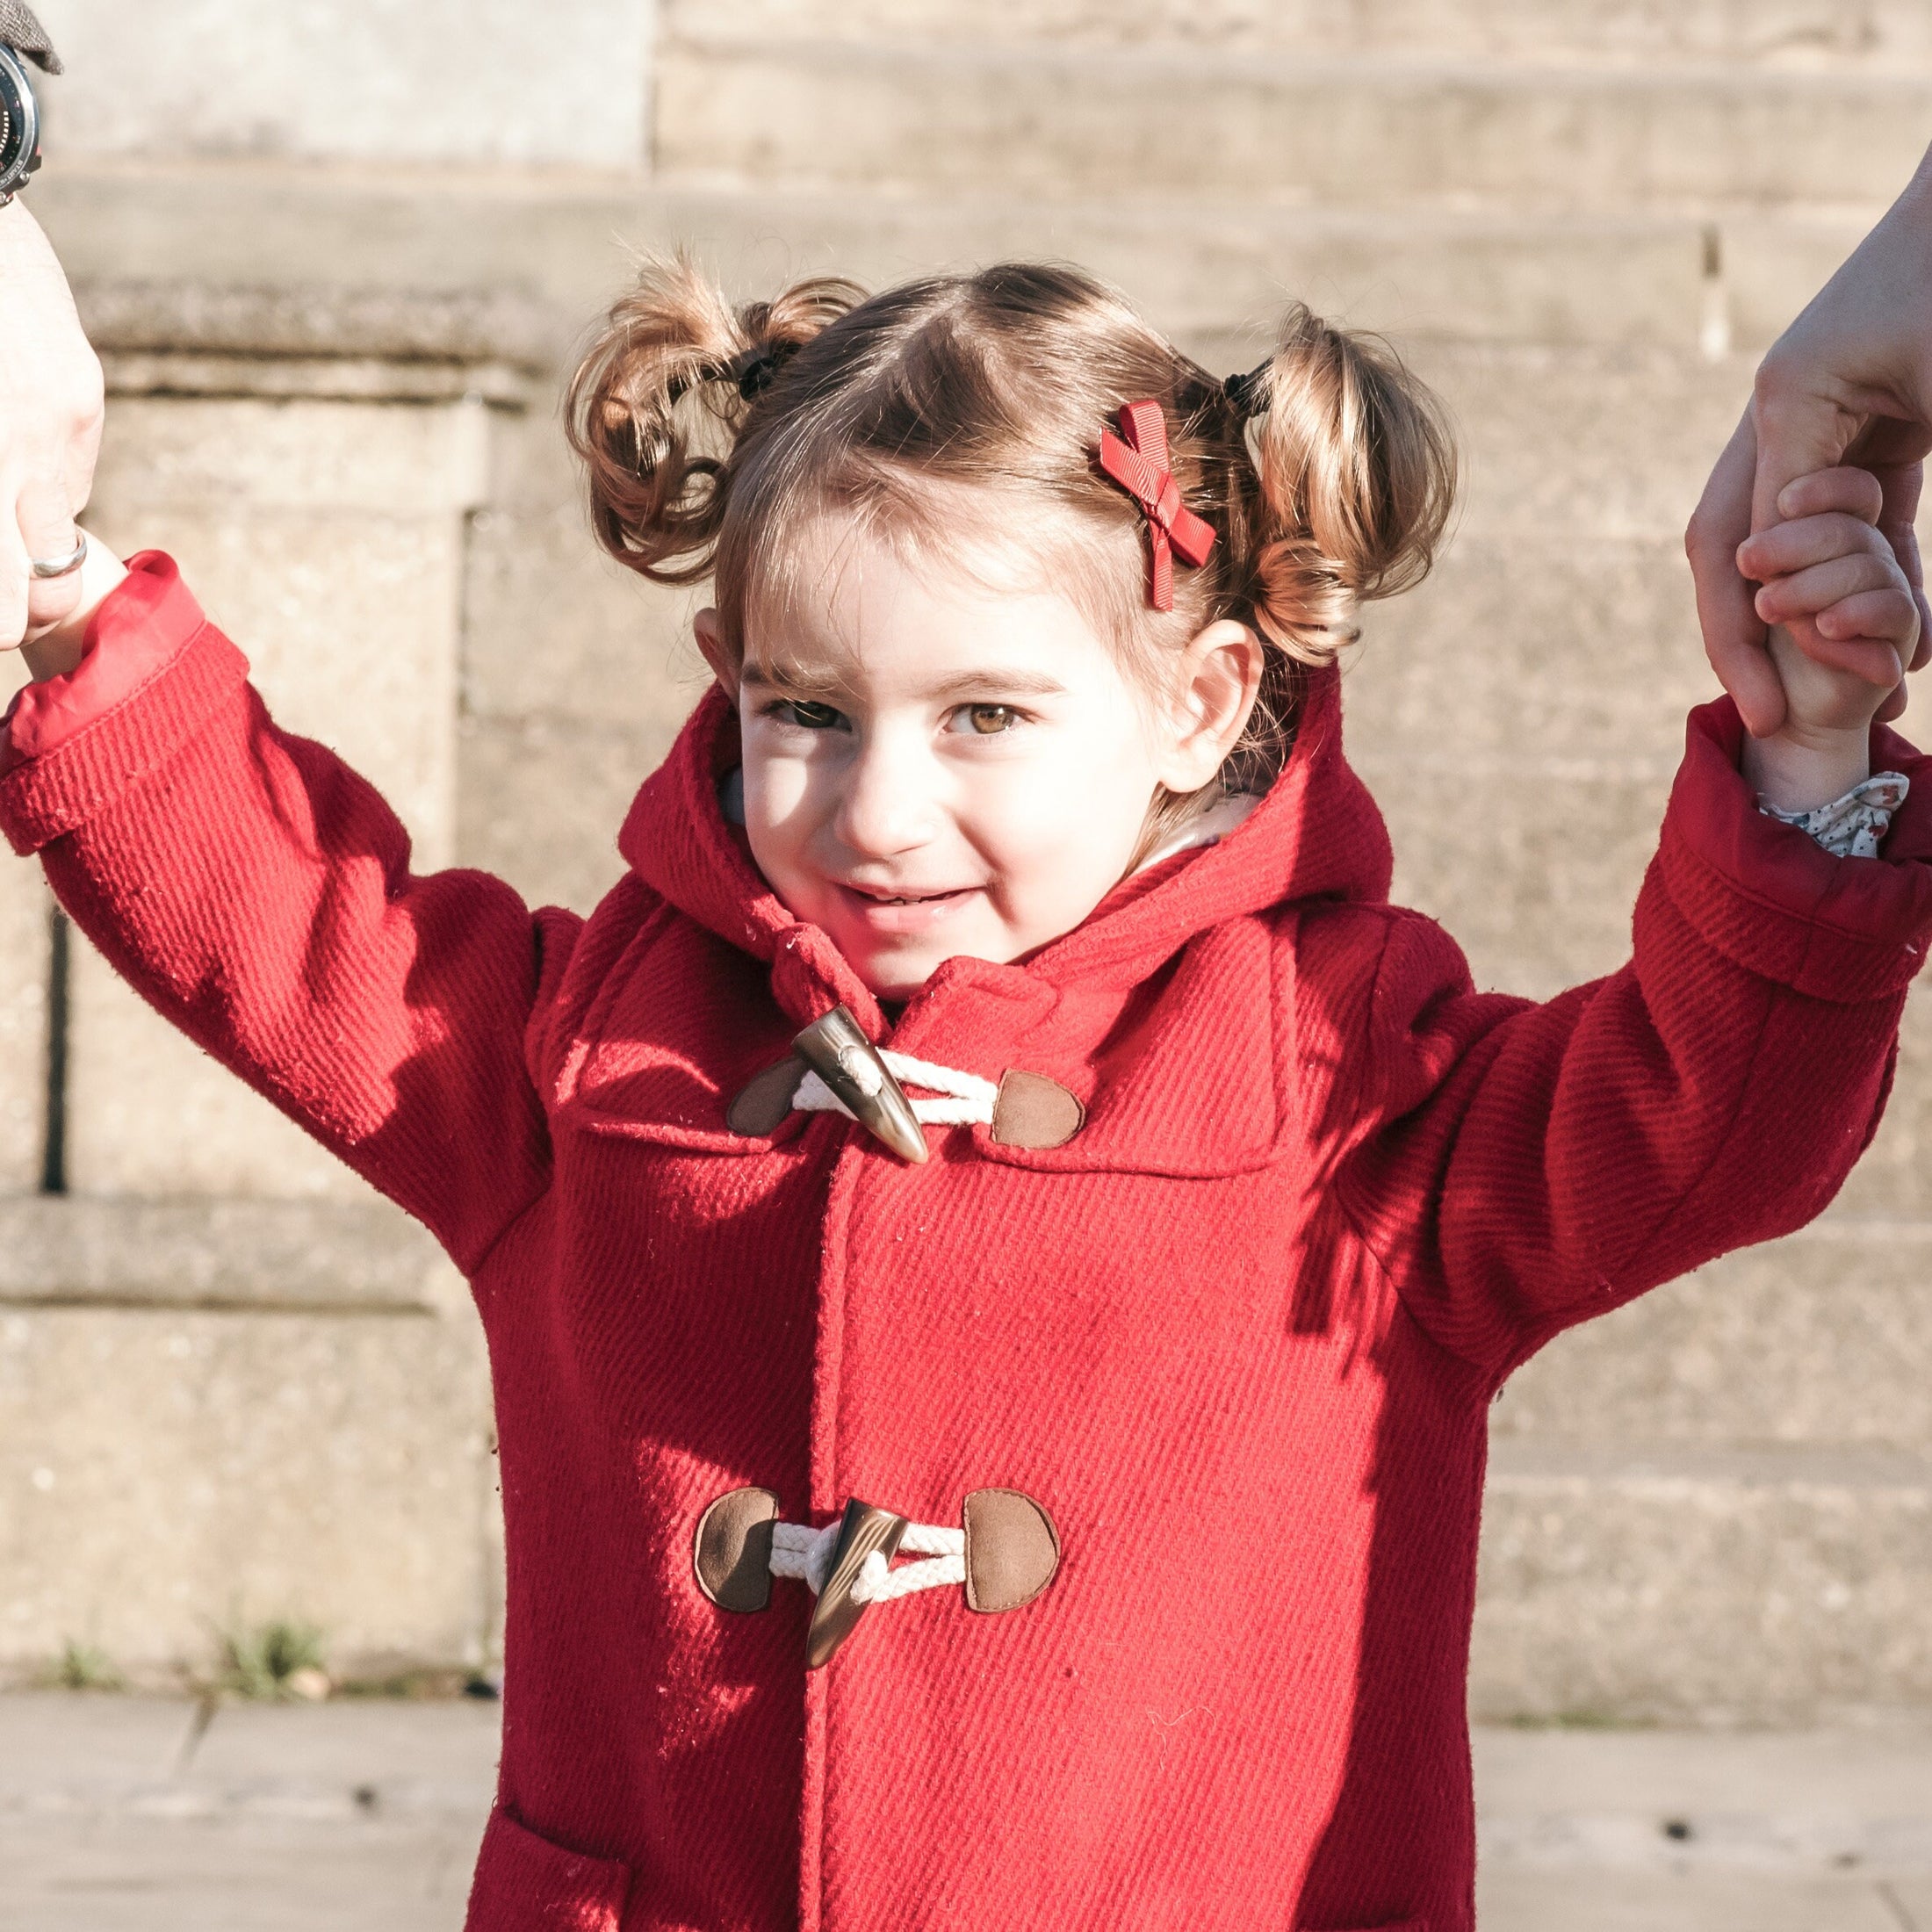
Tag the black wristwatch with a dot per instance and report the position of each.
(22, 39)
(19, 125)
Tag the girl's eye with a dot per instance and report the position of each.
(988, 720)
(812, 717)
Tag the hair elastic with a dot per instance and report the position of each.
(1243, 391)
(757, 369)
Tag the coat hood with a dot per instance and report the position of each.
(1316, 835)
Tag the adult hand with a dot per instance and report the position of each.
(1848, 382)
(50, 428)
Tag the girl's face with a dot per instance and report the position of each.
(944, 767)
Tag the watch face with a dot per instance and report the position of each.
(20, 124)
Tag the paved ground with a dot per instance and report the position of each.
(127, 1815)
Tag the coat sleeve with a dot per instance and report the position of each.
(258, 894)
(1518, 1168)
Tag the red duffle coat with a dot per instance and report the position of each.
(1238, 1336)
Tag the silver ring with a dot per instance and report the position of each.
(62, 566)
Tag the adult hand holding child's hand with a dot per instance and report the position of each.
(1848, 383)
(1845, 623)
(50, 429)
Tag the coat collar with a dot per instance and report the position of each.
(1169, 976)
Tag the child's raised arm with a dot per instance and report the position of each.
(250, 886)
(257, 892)
(1526, 1167)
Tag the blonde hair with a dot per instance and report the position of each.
(708, 430)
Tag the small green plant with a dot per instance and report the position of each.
(278, 1660)
(1578, 1721)
(85, 1667)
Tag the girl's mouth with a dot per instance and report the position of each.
(903, 913)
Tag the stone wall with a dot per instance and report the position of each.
(227, 1370)
(1583, 222)
(499, 83)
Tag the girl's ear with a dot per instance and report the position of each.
(711, 640)
(1220, 680)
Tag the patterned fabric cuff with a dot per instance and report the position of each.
(1850, 827)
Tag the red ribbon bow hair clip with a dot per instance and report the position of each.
(1139, 465)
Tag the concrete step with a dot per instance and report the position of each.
(1626, 276)
(122, 1812)
(140, 1814)
(1717, 1585)
(1825, 1337)
(1665, 1831)
(1801, 34)
(25, 948)
(1728, 279)
(222, 1257)
(1181, 122)
(217, 1414)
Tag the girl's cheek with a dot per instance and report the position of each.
(1059, 823)
(775, 778)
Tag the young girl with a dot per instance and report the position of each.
(997, 1241)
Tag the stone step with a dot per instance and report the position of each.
(219, 1413)
(158, 1757)
(1806, 34)
(1180, 123)
(1703, 1585)
(1823, 1336)
(171, 1474)
(25, 949)
(1623, 276)
(123, 1814)
(222, 1257)
(1599, 1830)
(1728, 279)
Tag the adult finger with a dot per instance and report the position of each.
(13, 585)
(1800, 427)
(1905, 547)
(1733, 634)
(1902, 484)
(44, 516)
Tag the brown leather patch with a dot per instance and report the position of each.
(1012, 1549)
(732, 1553)
(762, 1107)
(1032, 1111)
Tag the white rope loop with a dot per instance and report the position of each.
(807, 1554)
(963, 1099)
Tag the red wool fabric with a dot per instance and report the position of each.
(1239, 1335)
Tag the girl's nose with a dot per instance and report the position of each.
(887, 804)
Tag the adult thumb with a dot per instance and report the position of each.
(1804, 422)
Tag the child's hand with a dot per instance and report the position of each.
(1828, 575)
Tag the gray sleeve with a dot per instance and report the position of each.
(25, 34)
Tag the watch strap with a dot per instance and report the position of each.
(22, 32)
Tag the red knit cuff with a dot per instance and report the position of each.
(182, 669)
(1764, 895)
(139, 625)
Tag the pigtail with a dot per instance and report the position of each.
(660, 396)
(1356, 467)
